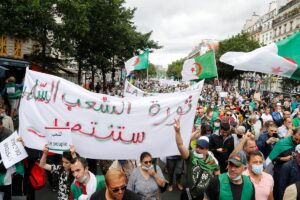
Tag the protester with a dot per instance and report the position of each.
(6, 120)
(147, 179)
(116, 187)
(222, 145)
(296, 120)
(290, 172)
(232, 184)
(85, 183)
(5, 184)
(267, 140)
(174, 167)
(266, 116)
(201, 166)
(13, 92)
(62, 171)
(286, 129)
(263, 182)
(237, 137)
(282, 153)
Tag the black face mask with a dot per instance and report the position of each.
(239, 136)
(275, 135)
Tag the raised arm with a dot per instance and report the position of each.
(43, 163)
(182, 149)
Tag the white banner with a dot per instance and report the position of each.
(12, 151)
(132, 91)
(102, 126)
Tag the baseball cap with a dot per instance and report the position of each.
(297, 148)
(238, 159)
(203, 142)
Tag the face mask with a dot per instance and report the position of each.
(246, 116)
(239, 136)
(198, 155)
(212, 106)
(217, 124)
(147, 168)
(235, 178)
(83, 179)
(257, 169)
(257, 116)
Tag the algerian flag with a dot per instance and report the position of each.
(200, 67)
(137, 62)
(281, 58)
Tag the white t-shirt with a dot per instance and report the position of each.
(266, 118)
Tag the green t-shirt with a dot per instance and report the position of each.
(192, 174)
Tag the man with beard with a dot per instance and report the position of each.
(201, 166)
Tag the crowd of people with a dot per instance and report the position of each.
(245, 144)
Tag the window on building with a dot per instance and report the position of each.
(284, 29)
(279, 30)
(3, 45)
(18, 48)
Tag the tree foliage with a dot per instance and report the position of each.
(175, 68)
(98, 34)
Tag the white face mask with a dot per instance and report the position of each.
(83, 179)
(198, 155)
(234, 178)
(217, 125)
(257, 169)
(147, 168)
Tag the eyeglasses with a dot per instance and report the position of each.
(115, 190)
(228, 115)
(147, 162)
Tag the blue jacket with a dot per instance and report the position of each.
(263, 146)
(289, 174)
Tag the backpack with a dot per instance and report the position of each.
(278, 119)
(37, 177)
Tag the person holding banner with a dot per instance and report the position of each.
(62, 171)
(5, 185)
(147, 179)
(85, 183)
(201, 166)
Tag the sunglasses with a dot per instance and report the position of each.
(147, 162)
(115, 190)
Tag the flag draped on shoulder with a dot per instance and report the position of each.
(200, 67)
(137, 62)
(281, 58)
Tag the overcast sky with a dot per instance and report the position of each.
(179, 25)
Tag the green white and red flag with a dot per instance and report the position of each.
(137, 62)
(281, 58)
(200, 67)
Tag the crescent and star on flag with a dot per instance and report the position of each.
(196, 69)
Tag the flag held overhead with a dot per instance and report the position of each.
(137, 62)
(281, 58)
(200, 67)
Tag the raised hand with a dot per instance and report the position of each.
(177, 125)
